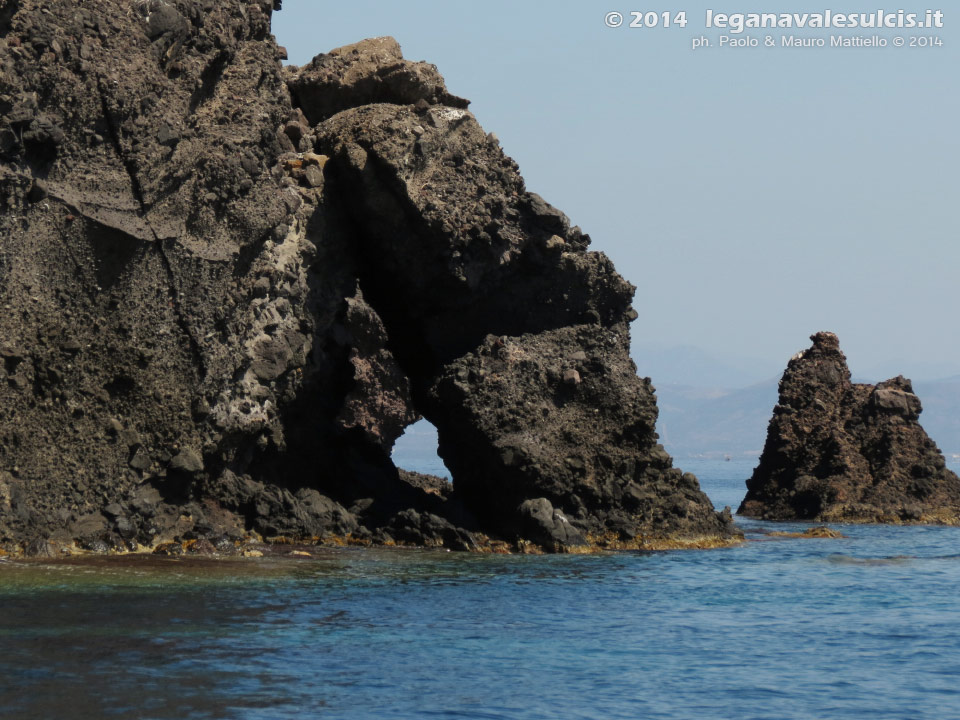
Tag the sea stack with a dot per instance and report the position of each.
(838, 451)
(230, 285)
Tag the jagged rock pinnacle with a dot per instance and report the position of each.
(845, 452)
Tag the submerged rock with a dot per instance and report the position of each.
(820, 532)
(838, 451)
(231, 285)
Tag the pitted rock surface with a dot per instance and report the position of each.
(846, 452)
(368, 72)
(229, 286)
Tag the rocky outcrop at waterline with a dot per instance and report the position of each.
(229, 286)
(845, 452)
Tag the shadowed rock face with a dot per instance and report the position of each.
(844, 452)
(514, 336)
(225, 300)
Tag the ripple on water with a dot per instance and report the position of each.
(858, 627)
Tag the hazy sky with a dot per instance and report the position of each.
(753, 196)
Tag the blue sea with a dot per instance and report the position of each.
(777, 629)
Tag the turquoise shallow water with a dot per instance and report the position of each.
(863, 627)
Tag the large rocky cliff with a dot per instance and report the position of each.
(848, 452)
(228, 286)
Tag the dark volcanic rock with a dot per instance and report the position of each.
(512, 429)
(229, 287)
(179, 311)
(514, 336)
(371, 71)
(839, 451)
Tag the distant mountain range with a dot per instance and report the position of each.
(697, 421)
(689, 365)
(712, 406)
(941, 412)
(721, 413)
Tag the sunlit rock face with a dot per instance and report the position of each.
(840, 451)
(229, 286)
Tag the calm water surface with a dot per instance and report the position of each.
(863, 627)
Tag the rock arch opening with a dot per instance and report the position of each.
(416, 451)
